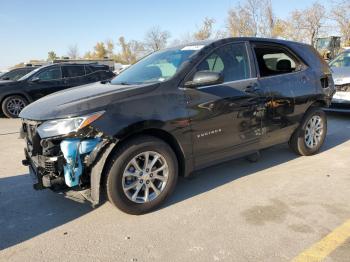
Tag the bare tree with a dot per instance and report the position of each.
(73, 52)
(109, 48)
(314, 18)
(253, 18)
(156, 39)
(206, 29)
(341, 14)
(219, 34)
(240, 22)
(138, 49)
(306, 25)
(267, 19)
(294, 27)
(130, 51)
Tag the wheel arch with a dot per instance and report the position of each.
(318, 103)
(24, 95)
(154, 132)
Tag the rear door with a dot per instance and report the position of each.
(97, 73)
(46, 81)
(225, 118)
(74, 75)
(286, 81)
(91, 74)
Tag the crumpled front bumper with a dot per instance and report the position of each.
(91, 193)
(69, 165)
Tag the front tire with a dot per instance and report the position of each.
(141, 175)
(13, 105)
(310, 135)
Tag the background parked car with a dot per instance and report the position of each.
(17, 73)
(15, 95)
(341, 74)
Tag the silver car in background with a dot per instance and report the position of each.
(341, 74)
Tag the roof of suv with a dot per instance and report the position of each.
(67, 63)
(233, 39)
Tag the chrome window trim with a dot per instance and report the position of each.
(229, 82)
(283, 74)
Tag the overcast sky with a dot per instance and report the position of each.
(30, 29)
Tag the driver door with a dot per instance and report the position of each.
(46, 82)
(225, 118)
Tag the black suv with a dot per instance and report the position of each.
(15, 95)
(176, 111)
(17, 73)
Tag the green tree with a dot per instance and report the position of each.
(51, 56)
(100, 50)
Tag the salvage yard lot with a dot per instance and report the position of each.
(272, 210)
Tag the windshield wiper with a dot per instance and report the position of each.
(122, 83)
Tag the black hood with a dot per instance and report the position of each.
(8, 83)
(81, 100)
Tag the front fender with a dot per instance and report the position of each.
(96, 174)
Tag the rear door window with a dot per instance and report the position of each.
(88, 70)
(275, 60)
(73, 71)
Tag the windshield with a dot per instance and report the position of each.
(14, 74)
(342, 60)
(323, 43)
(29, 74)
(157, 67)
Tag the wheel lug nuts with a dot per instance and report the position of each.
(147, 170)
(147, 182)
(151, 175)
(141, 181)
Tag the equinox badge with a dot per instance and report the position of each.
(212, 132)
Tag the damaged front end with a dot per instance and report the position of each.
(67, 155)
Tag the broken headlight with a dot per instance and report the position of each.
(65, 126)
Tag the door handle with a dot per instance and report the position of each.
(304, 79)
(251, 88)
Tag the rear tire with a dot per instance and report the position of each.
(138, 188)
(13, 105)
(310, 135)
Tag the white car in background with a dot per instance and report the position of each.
(340, 66)
(120, 68)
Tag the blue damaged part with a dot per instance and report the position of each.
(73, 150)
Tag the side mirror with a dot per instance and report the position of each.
(5, 78)
(35, 79)
(205, 78)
